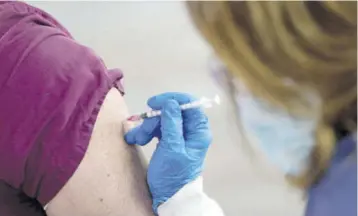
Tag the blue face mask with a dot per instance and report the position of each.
(285, 139)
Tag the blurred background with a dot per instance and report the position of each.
(159, 50)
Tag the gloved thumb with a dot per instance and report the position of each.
(143, 133)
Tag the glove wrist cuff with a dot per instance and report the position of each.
(191, 188)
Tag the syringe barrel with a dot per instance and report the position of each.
(191, 105)
(204, 102)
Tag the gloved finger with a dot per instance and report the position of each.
(195, 121)
(197, 132)
(143, 133)
(172, 126)
(157, 102)
(197, 129)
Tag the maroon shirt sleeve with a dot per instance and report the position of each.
(51, 90)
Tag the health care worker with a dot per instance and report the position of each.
(293, 74)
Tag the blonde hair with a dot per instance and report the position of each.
(314, 44)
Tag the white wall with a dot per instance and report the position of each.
(159, 50)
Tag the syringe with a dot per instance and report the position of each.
(202, 102)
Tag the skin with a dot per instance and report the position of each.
(110, 181)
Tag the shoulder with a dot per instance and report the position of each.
(336, 193)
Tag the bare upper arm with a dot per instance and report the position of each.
(110, 181)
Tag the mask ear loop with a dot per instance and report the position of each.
(226, 81)
(233, 93)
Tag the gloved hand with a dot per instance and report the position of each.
(184, 138)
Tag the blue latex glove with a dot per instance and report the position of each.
(184, 138)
